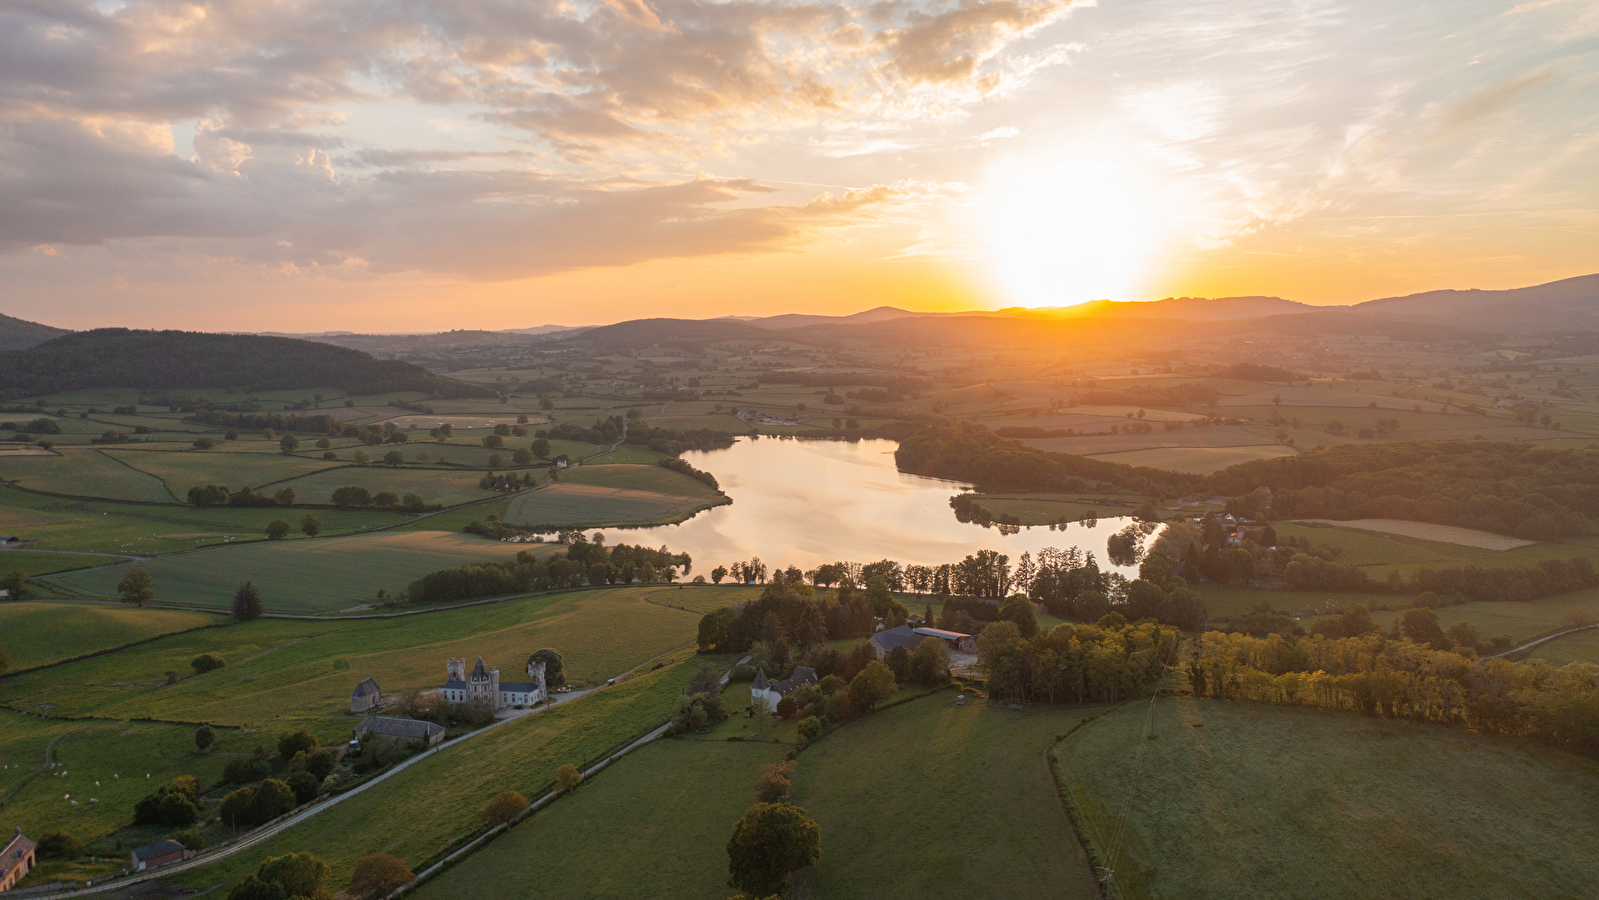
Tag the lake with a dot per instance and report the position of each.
(810, 502)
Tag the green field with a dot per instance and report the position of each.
(1195, 460)
(1046, 508)
(420, 813)
(31, 562)
(60, 523)
(443, 486)
(1521, 621)
(83, 472)
(298, 576)
(117, 755)
(193, 468)
(653, 824)
(1245, 801)
(932, 800)
(34, 634)
(599, 495)
(281, 671)
(1581, 647)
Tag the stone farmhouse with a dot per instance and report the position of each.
(412, 731)
(159, 853)
(15, 860)
(774, 691)
(366, 695)
(908, 637)
(484, 684)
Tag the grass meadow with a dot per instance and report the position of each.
(1521, 621)
(442, 486)
(653, 824)
(35, 634)
(84, 472)
(600, 495)
(1282, 803)
(421, 813)
(284, 672)
(298, 576)
(98, 760)
(1196, 460)
(62, 523)
(974, 815)
(193, 468)
(1581, 647)
(31, 563)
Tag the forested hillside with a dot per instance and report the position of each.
(179, 360)
(15, 334)
(1508, 488)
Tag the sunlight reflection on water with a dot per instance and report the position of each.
(809, 502)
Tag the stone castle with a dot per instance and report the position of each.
(484, 684)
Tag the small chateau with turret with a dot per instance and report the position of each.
(483, 683)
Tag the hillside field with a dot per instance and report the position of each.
(1275, 802)
(653, 824)
(422, 812)
(299, 576)
(282, 672)
(34, 634)
(973, 814)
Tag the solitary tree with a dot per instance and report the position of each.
(393, 458)
(277, 529)
(872, 686)
(541, 448)
(311, 525)
(773, 781)
(503, 808)
(15, 585)
(567, 777)
(289, 444)
(204, 737)
(284, 497)
(137, 587)
(770, 843)
(377, 876)
(247, 602)
(362, 458)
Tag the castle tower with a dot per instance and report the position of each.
(456, 669)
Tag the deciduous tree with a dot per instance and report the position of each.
(503, 808)
(277, 530)
(137, 587)
(769, 844)
(567, 777)
(377, 876)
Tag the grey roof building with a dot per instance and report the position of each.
(159, 853)
(366, 695)
(390, 729)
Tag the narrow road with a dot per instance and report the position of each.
(1550, 637)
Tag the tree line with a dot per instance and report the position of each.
(1103, 662)
(1394, 676)
(584, 562)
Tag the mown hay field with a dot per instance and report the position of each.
(975, 815)
(1247, 801)
(300, 575)
(185, 469)
(1427, 531)
(1196, 460)
(63, 523)
(1095, 444)
(83, 472)
(117, 755)
(613, 494)
(420, 813)
(653, 824)
(279, 671)
(34, 633)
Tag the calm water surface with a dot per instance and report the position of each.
(809, 502)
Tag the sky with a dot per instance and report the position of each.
(394, 165)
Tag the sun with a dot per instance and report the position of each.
(1065, 229)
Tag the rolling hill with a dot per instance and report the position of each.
(19, 334)
(185, 360)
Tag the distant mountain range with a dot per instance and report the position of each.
(1571, 304)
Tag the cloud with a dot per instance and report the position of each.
(951, 45)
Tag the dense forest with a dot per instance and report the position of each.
(184, 360)
(583, 562)
(1507, 488)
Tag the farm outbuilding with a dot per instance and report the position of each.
(366, 695)
(15, 860)
(160, 853)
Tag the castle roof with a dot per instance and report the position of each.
(801, 675)
(760, 683)
(479, 673)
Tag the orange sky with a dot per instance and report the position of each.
(512, 166)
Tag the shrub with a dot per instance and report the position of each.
(60, 845)
(320, 763)
(245, 771)
(503, 808)
(204, 737)
(810, 728)
(301, 741)
(305, 786)
(377, 876)
(272, 799)
(206, 662)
